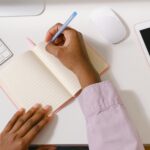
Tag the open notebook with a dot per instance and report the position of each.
(38, 77)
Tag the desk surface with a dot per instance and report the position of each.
(129, 69)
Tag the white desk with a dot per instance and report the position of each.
(129, 69)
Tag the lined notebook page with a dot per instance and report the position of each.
(28, 81)
(64, 75)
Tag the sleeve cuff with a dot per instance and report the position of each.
(98, 97)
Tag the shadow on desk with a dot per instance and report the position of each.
(137, 113)
(134, 107)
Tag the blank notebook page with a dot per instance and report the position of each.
(64, 75)
(28, 81)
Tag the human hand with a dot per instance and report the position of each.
(70, 49)
(23, 128)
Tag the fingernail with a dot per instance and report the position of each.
(37, 105)
(47, 107)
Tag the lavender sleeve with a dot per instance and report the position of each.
(108, 125)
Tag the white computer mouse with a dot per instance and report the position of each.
(109, 25)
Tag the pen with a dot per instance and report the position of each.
(64, 26)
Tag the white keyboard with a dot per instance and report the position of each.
(5, 52)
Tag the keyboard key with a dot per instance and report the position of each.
(1, 43)
(2, 48)
(1, 59)
(5, 53)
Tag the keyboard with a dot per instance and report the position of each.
(5, 52)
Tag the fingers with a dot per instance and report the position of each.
(71, 35)
(36, 129)
(15, 117)
(52, 31)
(60, 40)
(25, 117)
(53, 49)
(28, 125)
(37, 117)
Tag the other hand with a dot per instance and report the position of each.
(23, 128)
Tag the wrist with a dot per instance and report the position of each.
(87, 75)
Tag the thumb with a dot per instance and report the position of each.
(53, 49)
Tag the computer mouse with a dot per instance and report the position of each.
(109, 25)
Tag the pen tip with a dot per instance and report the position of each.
(75, 13)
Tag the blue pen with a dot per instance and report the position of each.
(64, 26)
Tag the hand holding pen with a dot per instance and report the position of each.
(70, 49)
(63, 27)
(57, 31)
